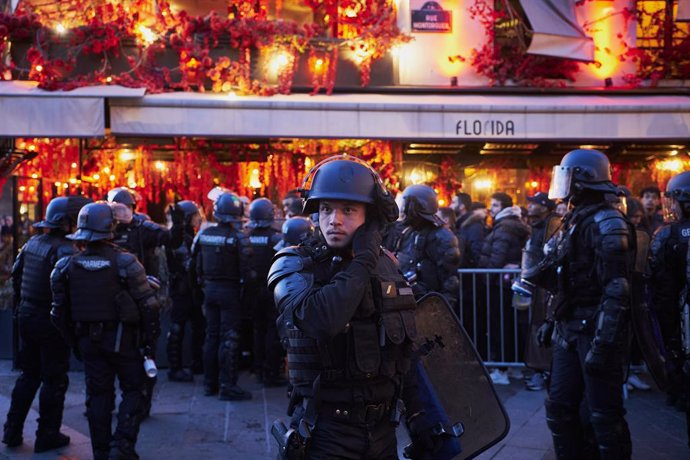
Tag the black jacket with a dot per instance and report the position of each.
(503, 245)
(471, 234)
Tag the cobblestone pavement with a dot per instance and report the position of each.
(185, 424)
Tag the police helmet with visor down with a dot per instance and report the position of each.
(420, 202)
(581, 169)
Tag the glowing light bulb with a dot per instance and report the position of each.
(96, 176)
(106, 170)
(60, 28)
(127, 155)
(147, 35)
(74, 166)
(39, 68)
(159, 165)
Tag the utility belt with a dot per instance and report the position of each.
(95, 330)
(368, 414)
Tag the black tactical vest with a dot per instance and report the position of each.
(219, 252)
(414, 259)
(40, 255)
(93, 285)
(262, 241)
(129, 237)
(375, 344)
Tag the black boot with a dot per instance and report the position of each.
(566, 431)
(612, 435)
(122, 449)
(174, 349)
(49, 441)
(12, 435)
(233, 393)
(210, 389)
(229, 355)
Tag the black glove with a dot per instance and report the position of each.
(544, 334)
(366, 244)
(386, 207)
(603, 359)
(424, 442)
(176, 214)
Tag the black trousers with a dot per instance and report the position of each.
(101, 366)
(268, 352)
(44, 361)
(223, 313)
(184, 310)
(601, 396)
(336, 437)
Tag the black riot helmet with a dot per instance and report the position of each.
(189, 208)
(678, 187)
(420, 202)
(63, 211)
(228, 208)
(676, 201)
(97, 221)
(260, 213)
(295, 230)
(122, 195)
(341, 177)
(581, 169)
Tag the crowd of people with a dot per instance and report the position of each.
(332, 293)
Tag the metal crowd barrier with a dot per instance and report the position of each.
(485, 310)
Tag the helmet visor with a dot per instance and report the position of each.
(216, 192)
(121, 214)
(561, 179)
(671, 209)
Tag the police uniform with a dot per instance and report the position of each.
(268, 353)
(221, 264)
(428, 252)
(347, 319)
(44, 354)
(590, 273)
(103, 300)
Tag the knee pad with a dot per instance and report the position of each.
(560, 417)
(231, 339)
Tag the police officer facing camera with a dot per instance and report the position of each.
(44, 356)
(186, 308)
(347, 318)
(429, 253)
(102, 301)
(220, 265)
(589, 272)
(268, 353)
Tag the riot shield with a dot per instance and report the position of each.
(459, 381)
(644, 322)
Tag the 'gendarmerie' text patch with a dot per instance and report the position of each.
(93, 264)
(216, 240)
(259, 240)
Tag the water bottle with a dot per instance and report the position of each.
(150, 367)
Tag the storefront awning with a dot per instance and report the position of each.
(417, 117)
(556, 31)
(26, 111)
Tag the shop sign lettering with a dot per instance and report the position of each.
(484, 128)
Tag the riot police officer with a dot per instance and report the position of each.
(102, 299)
(295, 230)
(346, 316)
(141, 237)
(268, 357)
(667, 267)
(44, 355)
(220, 265)
(428, 252)
(589, 272)
(186, 307)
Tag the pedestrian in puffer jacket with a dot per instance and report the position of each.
(503, 245)
(471, 234)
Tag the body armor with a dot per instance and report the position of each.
(262, 240)
(94, 284)
(218, 249)
(38, 259)
(377, 341)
